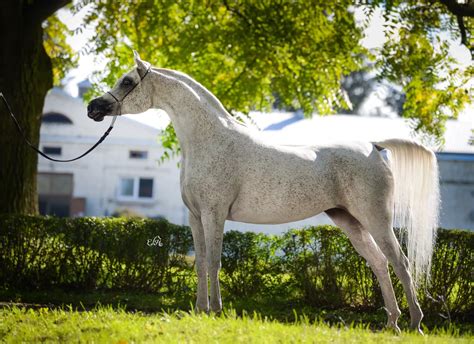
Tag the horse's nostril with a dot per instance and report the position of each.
(91, 106)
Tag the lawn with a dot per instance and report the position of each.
(106, 324)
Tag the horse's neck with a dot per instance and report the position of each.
(197, 116)
(205, 94)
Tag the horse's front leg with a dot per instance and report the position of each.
(202, 302)
(213, 223)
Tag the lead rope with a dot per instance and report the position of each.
(21, 131)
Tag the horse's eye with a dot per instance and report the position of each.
(126, 82)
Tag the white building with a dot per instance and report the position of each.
(124, 173)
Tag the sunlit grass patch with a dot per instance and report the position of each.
(105, 324)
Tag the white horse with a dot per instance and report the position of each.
(229, 172)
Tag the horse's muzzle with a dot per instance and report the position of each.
(99, 108)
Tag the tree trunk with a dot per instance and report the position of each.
(25, 78)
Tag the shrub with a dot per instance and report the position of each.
(92, 253)
(452, 274)
(249, 264)
(317, 265)
(326, 269)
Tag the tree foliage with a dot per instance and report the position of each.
(246, 52)
(62, 56)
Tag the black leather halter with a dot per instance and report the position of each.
(128, 92)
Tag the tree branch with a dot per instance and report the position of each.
(40, 10)
(238, 13)
(460, 9)
(464, 38)
(462, 29)
(246, 68)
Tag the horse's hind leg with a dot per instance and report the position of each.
(385, 238)
(367, 248)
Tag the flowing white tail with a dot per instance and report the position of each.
(416, 198)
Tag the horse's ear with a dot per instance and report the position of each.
(136, 55)
(142, 66)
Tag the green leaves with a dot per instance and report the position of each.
(415, 57)
(169, 142)
(61, 54)
(246, 52)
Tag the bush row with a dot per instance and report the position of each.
(92, 253)
(316, 265)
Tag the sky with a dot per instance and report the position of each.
(374, 38)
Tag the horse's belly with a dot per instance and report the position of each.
(269, 218)
(258, 208)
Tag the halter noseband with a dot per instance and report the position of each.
(128, 92)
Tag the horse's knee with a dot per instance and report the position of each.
(201, 273)
(213, 268)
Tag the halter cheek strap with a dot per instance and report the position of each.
(119, 102)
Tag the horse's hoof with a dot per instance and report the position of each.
(201, 310)
(217, 313)
(216, 307)
(394, 328)
(418, 329)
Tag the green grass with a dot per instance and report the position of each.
(105, 324)
(281, 310)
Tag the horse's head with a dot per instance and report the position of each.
(128, 96)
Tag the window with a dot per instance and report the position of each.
(138, 154)
(126, 187)
(135, 188)
(55, 193)
(52, 150)
(55, 117)
(145, 188)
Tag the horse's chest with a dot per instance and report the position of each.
(206, 184)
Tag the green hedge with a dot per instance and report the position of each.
(319, 266)
(92, 253)
(316, 265)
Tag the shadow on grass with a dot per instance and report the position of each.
(285, 311)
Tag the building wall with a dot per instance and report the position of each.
(457, 190)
